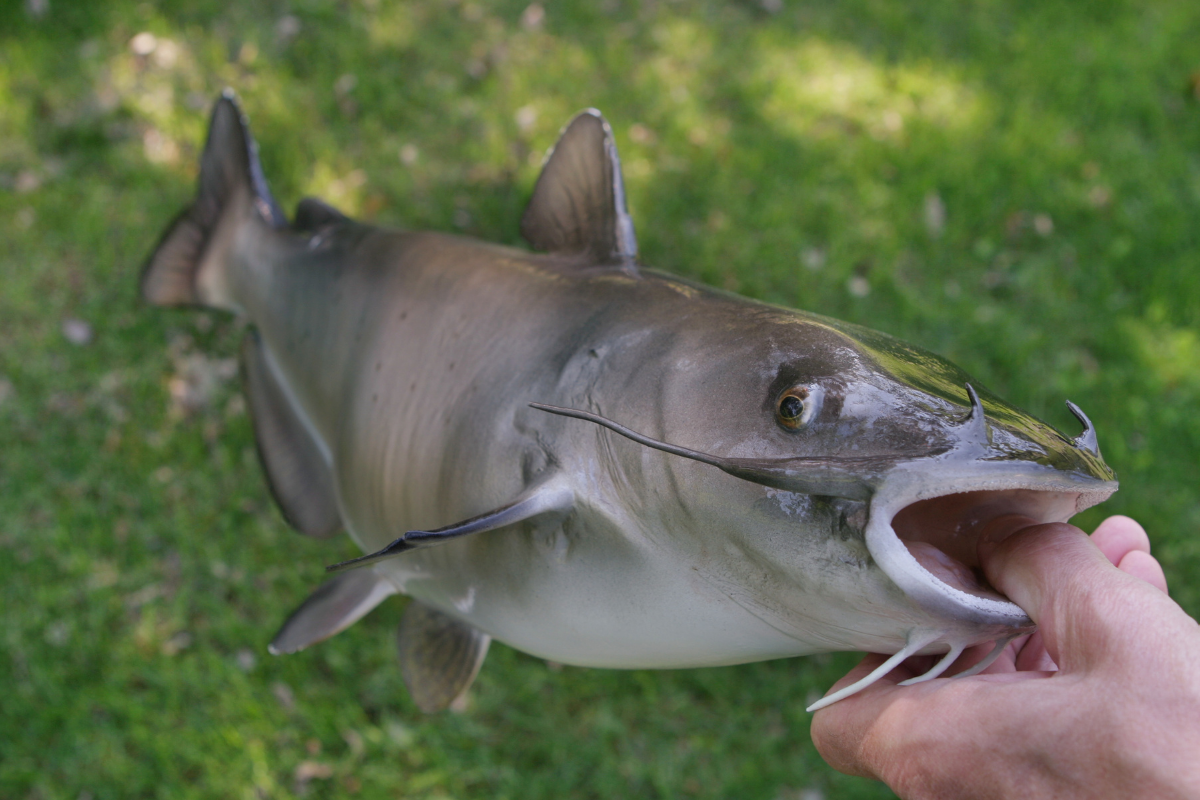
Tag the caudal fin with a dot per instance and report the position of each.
(231, 184)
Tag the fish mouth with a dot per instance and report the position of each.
(925, 525)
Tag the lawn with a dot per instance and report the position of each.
(1013, 185)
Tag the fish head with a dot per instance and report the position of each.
(890, 453)
(963, 458)
(840, 411)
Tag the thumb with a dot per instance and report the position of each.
(1063, 581)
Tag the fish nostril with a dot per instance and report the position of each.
(1086, 440)
(974, 426)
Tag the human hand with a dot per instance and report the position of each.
(1119, 716)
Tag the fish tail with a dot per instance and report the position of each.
(188, 267)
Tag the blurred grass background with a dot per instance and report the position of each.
(1014, 185)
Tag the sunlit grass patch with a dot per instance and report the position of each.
(821, 89)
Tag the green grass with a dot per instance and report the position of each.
(793, 156)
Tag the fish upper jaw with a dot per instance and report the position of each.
(926, 518)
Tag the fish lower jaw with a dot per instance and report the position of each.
(924, 528)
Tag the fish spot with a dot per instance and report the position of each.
(403, 316)
(413, 387)
(378, 366)
(452, 366)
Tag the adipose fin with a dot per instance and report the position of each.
(313, 214)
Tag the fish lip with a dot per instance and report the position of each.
(909, 484)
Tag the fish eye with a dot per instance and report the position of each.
(796, 407)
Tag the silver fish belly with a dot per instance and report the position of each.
(594, 462)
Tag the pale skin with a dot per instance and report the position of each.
(1118, 717)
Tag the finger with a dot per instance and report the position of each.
(1005, 662)
(1126, 544)
(1117, 536)
(1060, 578)
(840, 731)
(1033, 656)
(886, 729)
(1023, 558)
(837, 729)
(1145, 566)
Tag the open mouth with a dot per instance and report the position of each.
(925, 527)
(923, 533)
(942, 533)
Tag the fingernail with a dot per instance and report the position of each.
(1000, 529)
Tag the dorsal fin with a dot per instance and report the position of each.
(578, 205)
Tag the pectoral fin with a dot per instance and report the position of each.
(439, 656)
(549, 497)
(297, 472)
(333, 607)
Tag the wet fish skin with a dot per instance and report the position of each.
(395, 380)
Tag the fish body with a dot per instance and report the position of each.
(594, 462)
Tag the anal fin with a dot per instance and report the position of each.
(297, 472)
(333, 607)
(439, 656)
